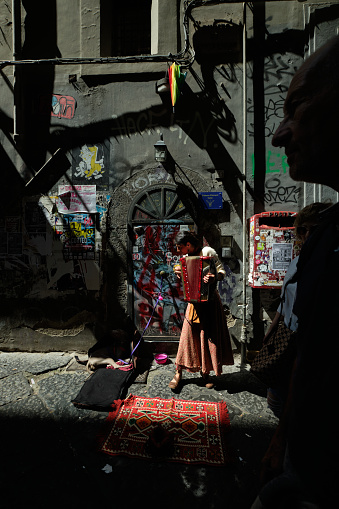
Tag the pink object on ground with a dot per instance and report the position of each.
(161, 358)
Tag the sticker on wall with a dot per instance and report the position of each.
(272, 246)
(56, 105)
(90, 164)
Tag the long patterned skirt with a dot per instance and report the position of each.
(205, 343)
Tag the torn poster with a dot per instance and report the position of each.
(78, 237)
(73, 199)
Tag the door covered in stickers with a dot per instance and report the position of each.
(158, 217)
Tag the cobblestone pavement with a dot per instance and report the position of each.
(48, 446)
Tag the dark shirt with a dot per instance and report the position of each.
(314, 429)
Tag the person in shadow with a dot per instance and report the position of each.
(305, 223)
(300, 468)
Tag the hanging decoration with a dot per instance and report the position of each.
(176, 80)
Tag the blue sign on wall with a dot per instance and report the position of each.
(211, 200)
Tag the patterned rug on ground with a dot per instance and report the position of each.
(190, 432)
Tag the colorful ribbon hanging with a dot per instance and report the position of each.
(176, 80)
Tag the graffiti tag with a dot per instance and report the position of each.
(276, 193)
(275, 163)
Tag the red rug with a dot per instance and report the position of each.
(176, 430)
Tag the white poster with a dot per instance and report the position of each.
(281, 256)
(73, 199)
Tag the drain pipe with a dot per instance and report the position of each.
(243, 337)
(16, 44)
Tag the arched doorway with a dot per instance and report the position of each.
(157, 216)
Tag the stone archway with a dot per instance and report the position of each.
(156, 217)
(119, 233)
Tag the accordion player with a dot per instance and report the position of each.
(193, 270)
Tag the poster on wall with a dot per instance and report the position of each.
(90, 164)
(73, 199)
(78, 236)
(282, 256)
(272, 247)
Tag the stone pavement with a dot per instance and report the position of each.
(48, 447)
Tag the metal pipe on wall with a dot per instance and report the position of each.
(16, 41)
(243, 336)
(17, 71)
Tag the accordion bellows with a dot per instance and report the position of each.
(193, 270)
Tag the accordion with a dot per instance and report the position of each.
(193, 270)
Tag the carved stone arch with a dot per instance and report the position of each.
(187, 182)
(159, 203)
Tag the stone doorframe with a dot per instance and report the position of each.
(115, 245)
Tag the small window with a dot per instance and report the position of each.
(131, 27)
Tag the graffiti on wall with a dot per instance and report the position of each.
(146, 122)
(278, 72)
(276, 162)
(276, 192)
(61, 106)
(154, 253)
(273, 114)
(89, 163)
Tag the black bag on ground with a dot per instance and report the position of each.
(102, 388)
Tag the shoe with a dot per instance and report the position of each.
(175, 381)
(207, 380)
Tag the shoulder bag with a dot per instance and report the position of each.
(274, 362)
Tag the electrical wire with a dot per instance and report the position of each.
(185, 57)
